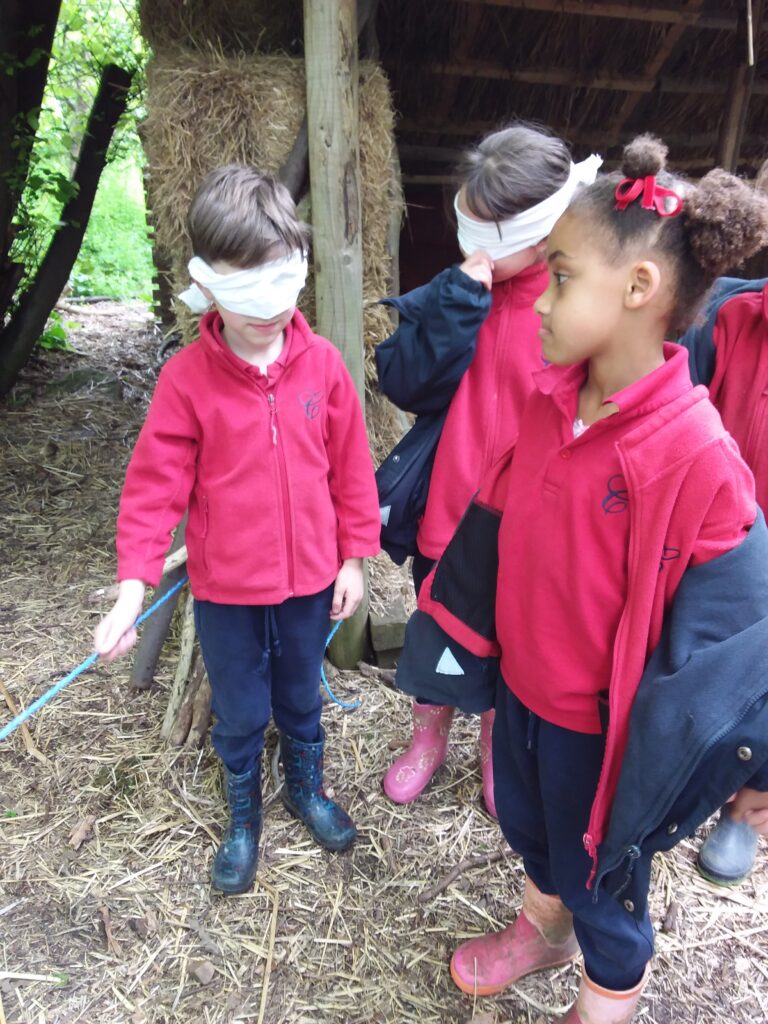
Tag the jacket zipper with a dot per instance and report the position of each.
(205, 532)
(280, 454)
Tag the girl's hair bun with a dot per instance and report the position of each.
(643, 156)
(727, 221)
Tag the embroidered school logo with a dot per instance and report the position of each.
(310, 401)
(668, 555)
(617, 498)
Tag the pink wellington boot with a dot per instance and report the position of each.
(542, 936)
(409, 775)
(486, 760)
(597, 1005)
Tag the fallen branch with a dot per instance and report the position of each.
(384, 675)
(481, 861)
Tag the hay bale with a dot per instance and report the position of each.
(232, 26)
(208, 110)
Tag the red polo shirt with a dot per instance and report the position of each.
(564, 539)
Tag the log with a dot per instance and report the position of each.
(179, 687)
(156, 629)
(201, 710)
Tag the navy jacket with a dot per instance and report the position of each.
(699, 722)
(419, 368)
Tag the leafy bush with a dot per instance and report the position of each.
(116, 256)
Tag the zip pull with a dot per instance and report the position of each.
(272, 416)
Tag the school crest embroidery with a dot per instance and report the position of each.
(310, 402)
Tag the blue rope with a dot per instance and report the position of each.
(6, 731)
(342, 704)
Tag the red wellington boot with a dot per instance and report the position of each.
(597, 1005)
(542, 936)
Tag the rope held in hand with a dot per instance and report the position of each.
(6, 731)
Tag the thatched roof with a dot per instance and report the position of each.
(598, 73)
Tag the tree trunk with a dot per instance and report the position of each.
(19, 336)
(26, 36)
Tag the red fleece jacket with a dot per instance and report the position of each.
(275, 471)
(739, 385)
(485, 412)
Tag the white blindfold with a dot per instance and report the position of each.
(261, 292)
(506, 237)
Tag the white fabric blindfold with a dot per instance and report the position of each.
(261, 292)
(506, 237)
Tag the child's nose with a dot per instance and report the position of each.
(541, 305)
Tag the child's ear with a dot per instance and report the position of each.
(642, 285)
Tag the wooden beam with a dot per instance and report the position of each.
(582, 136)
(653, 68)
(722, 21)
(740, 91)
(573, 79)
(331, 61)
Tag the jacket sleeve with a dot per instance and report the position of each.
(350, 477)
(732, 511)
(421, 364)
(158, 483)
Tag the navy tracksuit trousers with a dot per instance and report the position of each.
(545, 779)
(263, 661)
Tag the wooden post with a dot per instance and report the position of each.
(330, 54)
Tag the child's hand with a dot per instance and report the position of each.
(115, 633)
(348, 592)
(751, 805)
(479, 266)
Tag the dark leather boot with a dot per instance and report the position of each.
(728, 853)
(304, 797)
(234, 867)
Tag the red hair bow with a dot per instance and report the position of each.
(654, 195)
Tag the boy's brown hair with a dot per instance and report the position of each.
(243, 217)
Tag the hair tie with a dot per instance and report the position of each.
(654, 195)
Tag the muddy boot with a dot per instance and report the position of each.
(410, 773)
(728, 853)
(234, 867)
(486, 760)
(597, 1005)
(542, 936)
(303, 794)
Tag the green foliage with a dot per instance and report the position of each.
(55, 336)
(115, 258)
